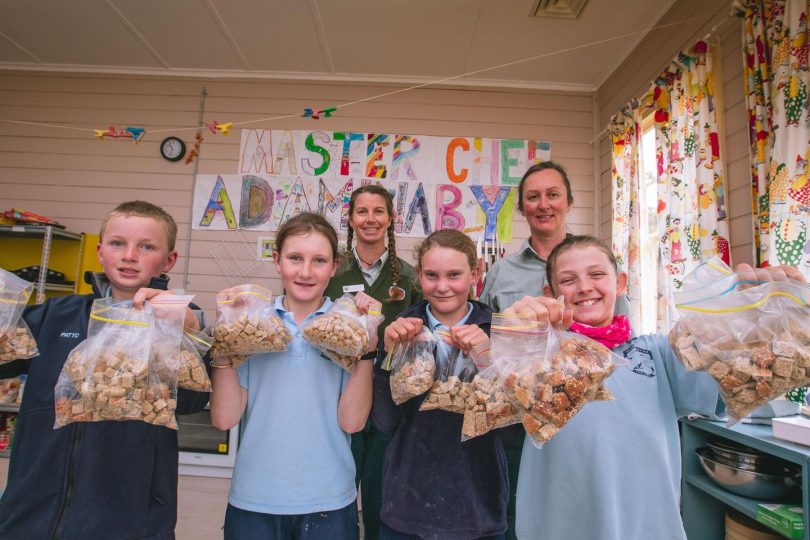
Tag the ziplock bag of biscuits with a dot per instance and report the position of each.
(412, 366)
(343, 333)
(16, 340)
(752, 337)
(246, 324)
(106, 376)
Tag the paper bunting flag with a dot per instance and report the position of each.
(134, 133)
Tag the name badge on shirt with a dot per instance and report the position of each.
(354, 288)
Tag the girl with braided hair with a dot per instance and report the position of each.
(373, 267)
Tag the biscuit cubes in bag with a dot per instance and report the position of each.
(552, 392)
(127, 368)
(454, 373)
(16, 340)
(755, 341)
(488, 406)
(343, 333)
(17, 343)
(247, 325)
(191, 372)
(412, 366)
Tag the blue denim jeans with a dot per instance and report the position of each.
(338, 524)
(387, 533)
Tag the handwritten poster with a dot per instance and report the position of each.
(464, 183)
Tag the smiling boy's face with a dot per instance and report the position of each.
(586, 278)
(132, 251)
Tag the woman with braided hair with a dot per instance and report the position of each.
(373, 267)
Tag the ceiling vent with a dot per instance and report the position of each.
(564, 9)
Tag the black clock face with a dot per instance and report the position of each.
(172, 149)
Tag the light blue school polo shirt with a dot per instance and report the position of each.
(614, 471)
(293, 457)
(434, 324)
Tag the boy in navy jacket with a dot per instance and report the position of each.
(111, 480)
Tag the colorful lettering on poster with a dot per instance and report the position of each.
(328, 202)
(402, 158)
(491, 199)
(326, 158)
(257, 202)
(418, 206)
(505, 222)
(446, 216)
(400, 198)
(219, 202)
(257, 151)
(456, 144)
(285, 153)
(478, 145)
(375, 167)
(347, 138)
(538, 152)
(296, 202)
(509, 148)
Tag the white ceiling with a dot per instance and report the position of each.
(348, 40)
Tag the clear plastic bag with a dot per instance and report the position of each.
(548, 374)
(488, 407)
(454, 374)
(106, 377)
(412, 366)
(755, 340)
(168, 312)
(246, 324)
(191, 372)
(343, 333)
(16, 340)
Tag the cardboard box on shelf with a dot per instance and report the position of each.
(784, 518)
(795, 429)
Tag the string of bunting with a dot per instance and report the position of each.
(137, 134)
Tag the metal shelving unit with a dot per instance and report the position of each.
(48, 234)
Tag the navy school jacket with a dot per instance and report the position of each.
(434, 485)
(86, 480)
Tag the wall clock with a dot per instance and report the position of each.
(172, 149)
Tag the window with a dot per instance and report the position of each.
(649, 239)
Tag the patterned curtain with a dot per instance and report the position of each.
(625, 132)
(776, 80)
(691, 212)
(691, 181)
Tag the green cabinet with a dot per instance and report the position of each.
(704, 503)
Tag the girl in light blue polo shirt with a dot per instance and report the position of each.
(613, 472)
(294, 472)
